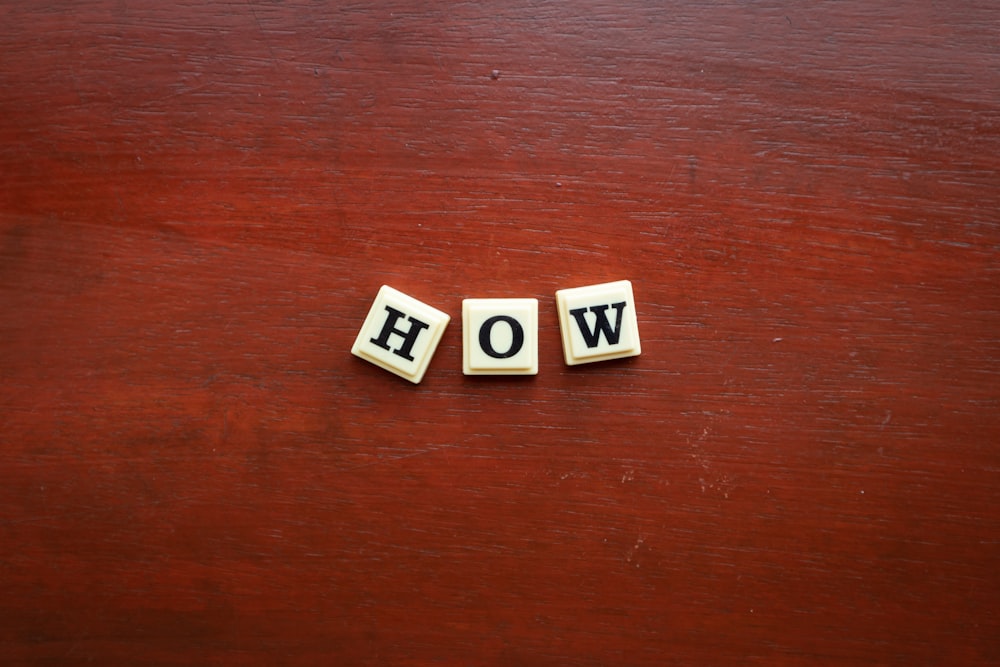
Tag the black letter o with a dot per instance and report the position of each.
(515, 328)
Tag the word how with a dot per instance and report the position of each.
(499, 336)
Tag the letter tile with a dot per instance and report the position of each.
(500, 336)
(400, 334)
(598, 322)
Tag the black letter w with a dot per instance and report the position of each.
(592, 337)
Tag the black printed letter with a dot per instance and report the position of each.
(409, 336)
(515, 329)
(593, 337)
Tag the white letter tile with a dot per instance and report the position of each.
(500, 336)
(598, 322)
(400, 334)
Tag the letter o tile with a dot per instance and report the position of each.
(500, 336)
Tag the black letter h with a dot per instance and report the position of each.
(409, 336)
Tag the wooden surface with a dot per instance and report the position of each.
(200, 200)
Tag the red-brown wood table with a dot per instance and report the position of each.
(200, 200)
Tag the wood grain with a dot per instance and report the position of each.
(200, 200)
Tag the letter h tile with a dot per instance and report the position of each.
(400, 334)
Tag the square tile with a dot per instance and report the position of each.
(598, 322)
(400, 334)
(500, 336)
